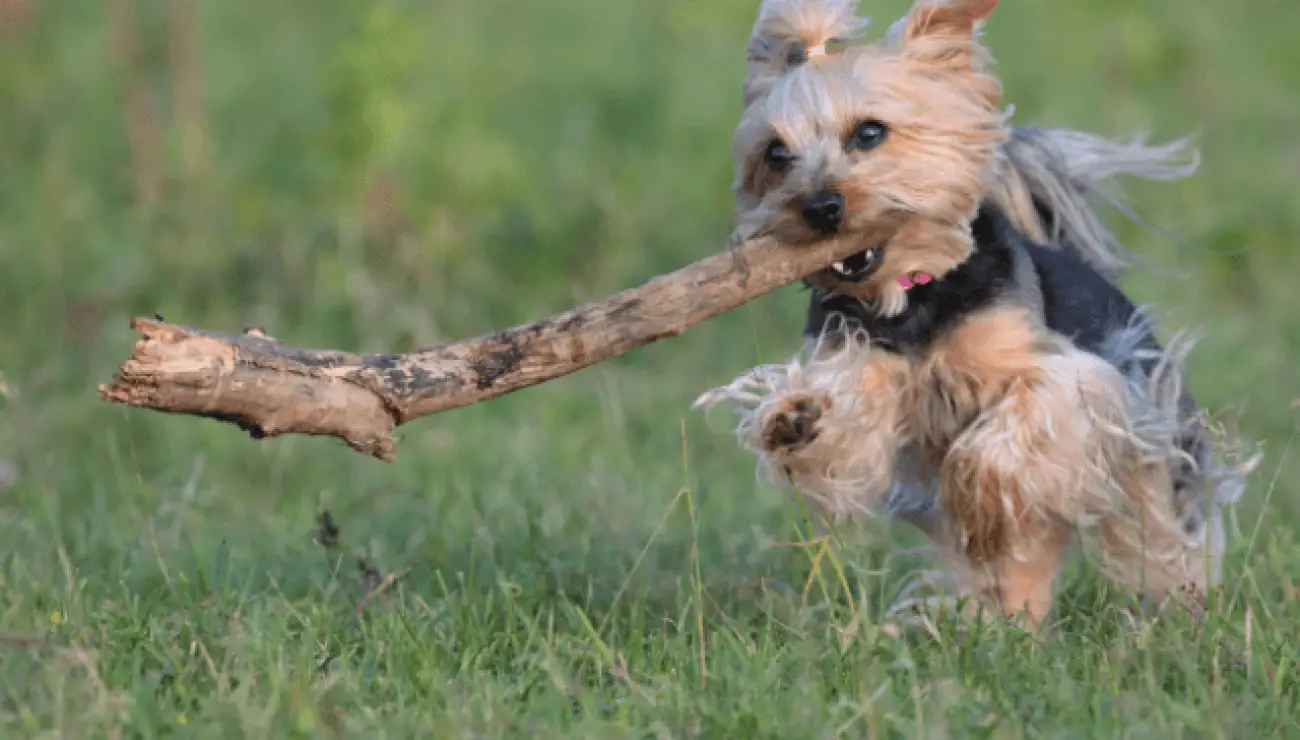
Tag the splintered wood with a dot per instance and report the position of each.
(268, 388)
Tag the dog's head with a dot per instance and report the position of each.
(905, 129)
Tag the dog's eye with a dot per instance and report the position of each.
(778, 156)
(866, 135)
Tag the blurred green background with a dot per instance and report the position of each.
(389, 175)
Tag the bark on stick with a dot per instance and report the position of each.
(270, 389)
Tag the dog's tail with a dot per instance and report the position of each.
(790, 32)
(1051, 181)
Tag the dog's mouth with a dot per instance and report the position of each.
(858, 267)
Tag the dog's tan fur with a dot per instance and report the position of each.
(1030, 438)
(931, 83)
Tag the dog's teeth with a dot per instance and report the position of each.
(839, 267)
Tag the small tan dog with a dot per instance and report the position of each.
(979, 373)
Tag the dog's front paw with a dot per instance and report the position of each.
(794, 424)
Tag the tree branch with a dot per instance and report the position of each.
(271, 389)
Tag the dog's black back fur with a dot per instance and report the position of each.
(935, 307)
(1077, 301)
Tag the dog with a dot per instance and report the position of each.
(977, 372)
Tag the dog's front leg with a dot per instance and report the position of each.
(836, 435)
(1031, 455)
(999, 485)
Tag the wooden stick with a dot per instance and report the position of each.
(269, 389)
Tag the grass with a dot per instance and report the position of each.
(588, 557)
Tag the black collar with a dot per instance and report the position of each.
(938, 306)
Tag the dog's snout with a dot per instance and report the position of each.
(824, 210)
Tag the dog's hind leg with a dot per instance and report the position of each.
(1166, 531)
(1156, 548)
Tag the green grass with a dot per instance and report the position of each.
(588, 557)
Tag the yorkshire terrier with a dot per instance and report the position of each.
(976, 371)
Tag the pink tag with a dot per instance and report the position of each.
(915, 279)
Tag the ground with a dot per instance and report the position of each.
(588, 557)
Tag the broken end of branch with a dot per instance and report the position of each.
(245, 381)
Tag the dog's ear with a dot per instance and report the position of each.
(945, 35)
(944, 32)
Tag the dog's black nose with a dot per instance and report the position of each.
(824, 210)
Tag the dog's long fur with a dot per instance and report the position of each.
(1048, 180)
(1010, 394)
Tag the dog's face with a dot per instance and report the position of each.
(905, 128)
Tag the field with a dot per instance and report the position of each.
(588, 558)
